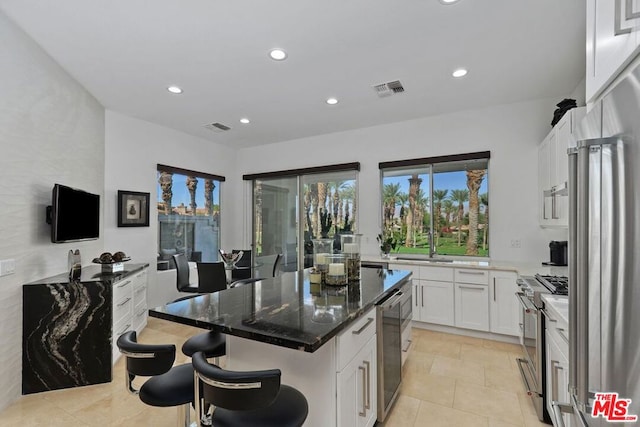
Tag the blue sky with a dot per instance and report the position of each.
(181, 192)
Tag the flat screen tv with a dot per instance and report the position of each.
(74, 215)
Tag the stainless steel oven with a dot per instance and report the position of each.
(532, 335)
(394, 317)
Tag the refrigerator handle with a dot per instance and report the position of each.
(572, 266)
(581, 282)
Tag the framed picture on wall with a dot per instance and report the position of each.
(133, 209)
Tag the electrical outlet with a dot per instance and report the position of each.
(7, 266)
(515, 243)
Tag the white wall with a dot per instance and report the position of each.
(51, 131)
(510, 132)
(133, 150)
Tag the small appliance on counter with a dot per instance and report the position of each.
(557, 253)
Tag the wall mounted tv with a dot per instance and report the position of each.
(74, 215)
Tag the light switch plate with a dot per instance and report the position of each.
(7, 266)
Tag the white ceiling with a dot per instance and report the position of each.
(126, 52)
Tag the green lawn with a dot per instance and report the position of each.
(446, 246)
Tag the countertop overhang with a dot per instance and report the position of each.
(286, 311)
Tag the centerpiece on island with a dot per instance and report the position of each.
(112, 263)
(388, 242)
(230, 259)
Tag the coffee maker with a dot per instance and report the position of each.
(557, 253)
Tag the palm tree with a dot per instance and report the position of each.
(322, 197)
(348, 193)
(389, 198)
(460, 196)
(438, 197)
(449, 209)
(484, 199)
(474, 180)
(403, 198)
(414, 185)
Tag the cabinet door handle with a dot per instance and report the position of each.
(364, 386)
(475, 273)
(422, 296)
(494, 289)
(415, 291)
(367, 365)
(124, 302)
(359, 331)
(554, 380)
(480, 288)
(406, 349)
(126, 328)
(562, 334)
(140, 289)
(124, 284)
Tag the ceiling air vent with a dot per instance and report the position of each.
(217, 127)
(388, 89)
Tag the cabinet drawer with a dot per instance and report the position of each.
(140, 316)
(440, 274)
(412, 268)
(119, 328)
(140, 294)
(478, 277)
(122, 288)
(351, 341)
(122, 308)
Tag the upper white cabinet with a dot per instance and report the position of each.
(612, 41)
(553, 169)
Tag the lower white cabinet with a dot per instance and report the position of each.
(357, 389)
(471, 306)
(436, 302)
(504, 310)
(129, 307)
(557, 362)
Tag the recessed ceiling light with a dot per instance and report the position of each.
(278, 54)
(449, 1)
(332, 101)
(460, 72)
(245, 121)
(174, 89)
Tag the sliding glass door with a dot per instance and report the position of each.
(289, 212)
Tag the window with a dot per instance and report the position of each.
(188, 214)
(437, 206)
(291, 208)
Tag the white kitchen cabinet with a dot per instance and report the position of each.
(129, 307)
(436, 302)
(557, 368)
(472, 306)
(553, 169)
(504, 310)
(357, 388)
(612, 42)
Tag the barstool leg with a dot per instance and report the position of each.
(184, 415)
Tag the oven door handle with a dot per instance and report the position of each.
(529, 308)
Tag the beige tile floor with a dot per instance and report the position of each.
(449, 381)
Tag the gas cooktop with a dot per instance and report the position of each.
(558, 285)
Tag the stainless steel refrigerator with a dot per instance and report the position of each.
(604, 262)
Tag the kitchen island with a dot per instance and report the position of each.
(316, 335)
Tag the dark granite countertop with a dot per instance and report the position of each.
(92, 273)
(286, 311)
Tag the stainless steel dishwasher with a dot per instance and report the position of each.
(394, 315)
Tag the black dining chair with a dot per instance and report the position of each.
(182, 274)
(168, 386)
(276, 265)
(243, 267)
(211, 277)
(254, 398)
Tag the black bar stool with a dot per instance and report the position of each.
(167, 386)
(255, 399)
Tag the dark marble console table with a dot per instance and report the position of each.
(66, 330)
